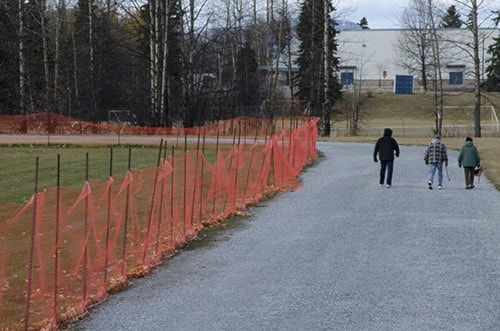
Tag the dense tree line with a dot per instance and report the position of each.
(168, 62)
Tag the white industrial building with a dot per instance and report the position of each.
(374, 57)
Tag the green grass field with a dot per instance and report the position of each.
(17, 168)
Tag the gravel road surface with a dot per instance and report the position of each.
(341, 253)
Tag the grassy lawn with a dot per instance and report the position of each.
(18, 166)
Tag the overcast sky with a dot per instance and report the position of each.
(382, 14)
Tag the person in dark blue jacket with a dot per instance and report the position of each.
(386, 148)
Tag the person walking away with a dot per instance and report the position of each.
(469, 159)
(435, 156)
(385, 149)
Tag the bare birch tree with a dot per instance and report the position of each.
(414, 43)
(282, 42)
(59, 18)
(22, 63)
(154, 28)
(474, 27)
(92, 59)
(419, 46)
(438, 79)
(479, 14)
(41, 4)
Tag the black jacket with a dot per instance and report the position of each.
(386, 147)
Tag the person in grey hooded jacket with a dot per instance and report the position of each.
(385, 149)
(469, 159)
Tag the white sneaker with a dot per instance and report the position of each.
(430, 185)
(388, 186)
(440, 187)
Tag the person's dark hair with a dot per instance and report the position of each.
(468, 139)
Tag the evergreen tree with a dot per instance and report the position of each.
(493, 69)
(451, 19)
(84, 64)
(247, 79)
(9, 66)
(175, 100)
(317, 79)
(363, 23)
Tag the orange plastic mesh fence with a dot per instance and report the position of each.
(51, 123)
(65, 250)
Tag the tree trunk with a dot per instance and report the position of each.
(22, 64)
(164, 91)
(45, 51)
(438, 86)
(274, 81)
(423, 73)
(473, 7)
(57, 45)
(153, 61)
(255, 31)
(326, 73)
(75, 75)
(477, 70)
(91, 62)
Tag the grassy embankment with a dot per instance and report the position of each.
(381, 110)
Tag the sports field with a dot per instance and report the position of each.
(18, 166)
(19, 162)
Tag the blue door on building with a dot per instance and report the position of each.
(403, 84)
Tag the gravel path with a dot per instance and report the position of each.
(341, 253)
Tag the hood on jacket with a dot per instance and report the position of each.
(435, 141)
(468, 143)
(387, 132)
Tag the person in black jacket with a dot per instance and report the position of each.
(385, 148)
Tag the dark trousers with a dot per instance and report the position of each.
(469, 176)
(386, 165)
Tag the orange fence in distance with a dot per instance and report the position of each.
(56, 124)
(65, 250)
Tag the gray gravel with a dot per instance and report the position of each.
(341, 253)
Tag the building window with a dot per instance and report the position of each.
(347, 78)
(456, 78)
